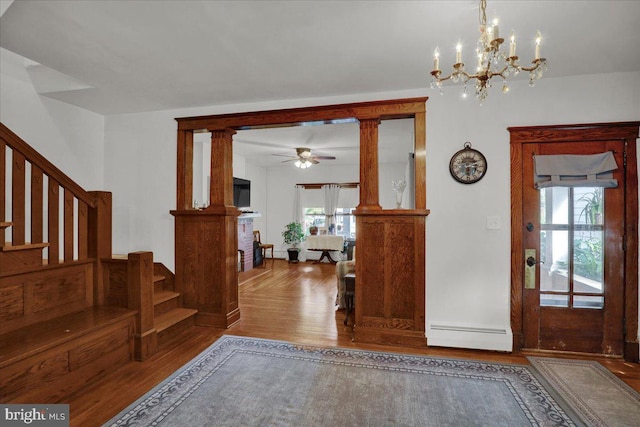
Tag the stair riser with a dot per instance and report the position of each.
(165, 306)
(165, 336)
(158, 286)
(20, 259)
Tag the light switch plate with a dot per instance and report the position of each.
(494, 223)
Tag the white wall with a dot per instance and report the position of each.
(467, 265)
(69, 137)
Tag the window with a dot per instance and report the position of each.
(345, 221)
(571, 244)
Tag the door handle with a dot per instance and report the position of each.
(531, 261)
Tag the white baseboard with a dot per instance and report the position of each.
(446, 334)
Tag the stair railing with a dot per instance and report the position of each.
(46, 208)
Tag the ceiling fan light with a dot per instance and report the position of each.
(298, 164)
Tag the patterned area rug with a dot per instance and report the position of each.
(254, 382)
(597, 396)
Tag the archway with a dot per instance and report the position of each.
(390, 275)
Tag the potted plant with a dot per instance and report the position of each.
(592, 210)
(293, 235)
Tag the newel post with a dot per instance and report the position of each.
(140, 298)
(99, 240)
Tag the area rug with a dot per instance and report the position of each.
(242, 381)
(596, 395)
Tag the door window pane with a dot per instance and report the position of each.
(554, 205)
(587, 262)
(571, 247)
(554, 257)
(588, 302)
(551, 300)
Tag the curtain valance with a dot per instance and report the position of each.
(575, 170)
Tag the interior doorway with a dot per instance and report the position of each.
(392, 310)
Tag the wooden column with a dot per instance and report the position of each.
(221, 187)
(140, 298)
(207, 240)
(369, 194)
(420, 159)
(184, 184)
(390, 272)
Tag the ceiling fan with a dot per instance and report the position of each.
(304, 159)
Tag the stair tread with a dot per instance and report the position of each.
(172, 317)
(161, 296)
(8, 246)
(5, 224)
(158, 278)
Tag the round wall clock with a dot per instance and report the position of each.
(468, 165)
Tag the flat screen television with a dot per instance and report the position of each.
(241, 193)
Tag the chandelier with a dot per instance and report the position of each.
(491, 61)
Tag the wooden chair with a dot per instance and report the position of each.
(263, 246)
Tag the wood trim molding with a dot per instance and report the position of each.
(319, 185)
(384, 110)
(627, 131)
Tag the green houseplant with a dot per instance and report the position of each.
(293, 235)
(592, 210)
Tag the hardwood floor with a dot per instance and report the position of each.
(293, 303)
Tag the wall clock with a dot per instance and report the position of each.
(468, 165)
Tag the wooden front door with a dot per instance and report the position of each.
(573, 240)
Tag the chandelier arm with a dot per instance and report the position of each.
(436, 75)
(500, 73)
(536, 64)
(460, 73)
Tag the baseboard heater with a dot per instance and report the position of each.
(468, 329)
(464, 336)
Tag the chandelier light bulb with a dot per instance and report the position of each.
(512, 45)
(459, 53)
(496, 32)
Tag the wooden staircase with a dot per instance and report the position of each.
(169, 317)
(69, 310)
(137, 282)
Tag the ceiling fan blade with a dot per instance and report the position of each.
(290, 160)
(325, 157)
(313, 160)
(285, 155)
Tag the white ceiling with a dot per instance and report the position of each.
(115, 57)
